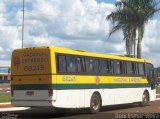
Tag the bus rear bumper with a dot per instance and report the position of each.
(32, 103)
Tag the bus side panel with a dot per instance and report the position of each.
(152, 94)
(69, 99)
(115, 96)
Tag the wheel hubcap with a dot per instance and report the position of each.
(144, 98)
(95, 104)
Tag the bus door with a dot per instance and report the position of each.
(150, 75)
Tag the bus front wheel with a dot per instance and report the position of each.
(145, 99)
(95, 103)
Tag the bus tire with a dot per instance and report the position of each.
(95, 103)
(145, 99)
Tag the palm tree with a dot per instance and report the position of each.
(146, 9)
(131, 16)
(122, 17)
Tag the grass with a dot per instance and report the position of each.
(5, 98)
(158, 90)
(5, 84)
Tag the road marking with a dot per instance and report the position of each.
(14, 109)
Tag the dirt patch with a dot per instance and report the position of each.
(157, 96)
(6, 106)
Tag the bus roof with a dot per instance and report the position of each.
(85, 53)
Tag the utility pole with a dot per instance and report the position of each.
(23, 25)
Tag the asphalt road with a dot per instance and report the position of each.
(108, 112)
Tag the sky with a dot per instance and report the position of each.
(75, 24)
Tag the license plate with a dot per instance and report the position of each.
(30, 93)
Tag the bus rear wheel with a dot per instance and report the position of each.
(95, 103)
(145, 99)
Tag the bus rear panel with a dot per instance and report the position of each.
(31, 77)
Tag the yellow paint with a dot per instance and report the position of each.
(40, 79)
(75, 79)
(31, 61)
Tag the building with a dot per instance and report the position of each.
(5, 71)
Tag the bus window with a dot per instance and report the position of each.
(134, 68)
(129, 68)
(117, 67)
(137, 69)
(80, 64)
(96, 65)
(122, 69)
(104, 66)
(71, 64)
(61, 63)
(149, 69)
(111, 66)
(125, 66)
(141, 68)
(89, 65)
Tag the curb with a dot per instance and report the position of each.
(13, 109)
(6, 103)
(157, 98)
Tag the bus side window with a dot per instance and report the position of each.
(134, 68)
(89, 64)
(71, 64)
(104, 66)
(96, 65)
(117, 67)
(141, 68)
(111, 67)
(80, 64)
(61, 63)
(129, 68)
(137, 69)
(124, 67)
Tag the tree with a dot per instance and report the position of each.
(145, 9)
(131, 16)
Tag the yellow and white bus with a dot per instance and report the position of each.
(65, 78)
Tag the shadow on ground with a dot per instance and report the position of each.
(50, 113)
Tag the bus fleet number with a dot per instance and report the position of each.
(34, 68)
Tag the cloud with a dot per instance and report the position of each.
(76, 24)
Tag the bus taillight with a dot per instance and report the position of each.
(50, 91)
